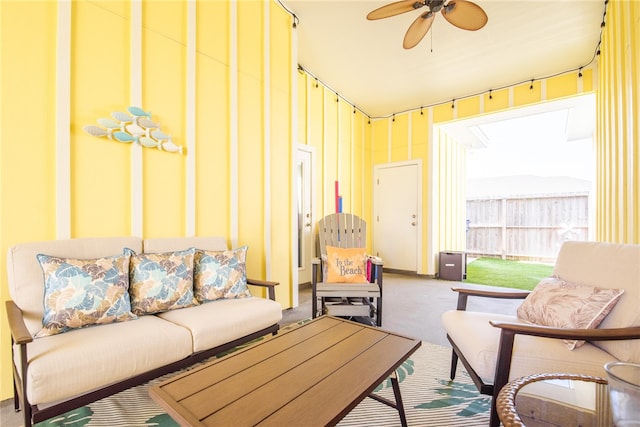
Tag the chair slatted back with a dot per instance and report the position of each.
(341, 230)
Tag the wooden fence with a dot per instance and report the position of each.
(526, 228)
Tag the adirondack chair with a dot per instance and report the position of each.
(362, 300)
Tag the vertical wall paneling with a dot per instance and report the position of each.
(580, 83)
(363, 165)
(339, 142)
(430, 216)
(630, 153)
(355, 206)
(266, 180)
(63, 118)
(617, 145)
(409, 136)
(190, 121)
(293, 165)
(390, 123)
(633, 81)
(136, 99)
(233, 122)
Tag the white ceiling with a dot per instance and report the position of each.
(365, 63)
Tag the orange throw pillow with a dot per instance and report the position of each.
(346, 265)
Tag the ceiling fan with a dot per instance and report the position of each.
(461, 13)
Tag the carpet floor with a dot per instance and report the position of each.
(430, 399)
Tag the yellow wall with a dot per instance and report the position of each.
(617, 141)
(239, 113)
(340, 135)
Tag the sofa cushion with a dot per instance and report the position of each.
(220, 274)
(218, 322)
(84, 292)
(346, 265)
(161, 281)
(554, 302)
(478, 341)
(26, 284)
(81, 360)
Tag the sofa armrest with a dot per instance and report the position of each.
(271, 286)
(19, 331)
(465, 293)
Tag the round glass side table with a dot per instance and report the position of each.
(555, 400)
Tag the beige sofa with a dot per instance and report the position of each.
(498, 348)
(54, 374)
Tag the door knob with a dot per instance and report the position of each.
(413, 223)
(308, 225)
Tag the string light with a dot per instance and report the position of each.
(597, 53)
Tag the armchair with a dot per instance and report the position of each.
(496, 349)
(360, 299)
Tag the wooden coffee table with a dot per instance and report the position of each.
(311, 375)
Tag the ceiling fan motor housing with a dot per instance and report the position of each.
(434, 5)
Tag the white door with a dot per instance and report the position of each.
(304, 177)
(397, 214)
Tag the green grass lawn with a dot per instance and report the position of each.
(507, 273)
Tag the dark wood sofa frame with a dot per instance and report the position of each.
(33, 414)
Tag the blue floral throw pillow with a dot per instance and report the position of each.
(161, 281)
(83, 292)
(221, 274)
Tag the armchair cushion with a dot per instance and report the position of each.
(220, 274)
(479, 343)
(83, 292)
(554, 302)
(346, 265)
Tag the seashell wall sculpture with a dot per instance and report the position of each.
(136, 127)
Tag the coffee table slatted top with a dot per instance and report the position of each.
(311, 375)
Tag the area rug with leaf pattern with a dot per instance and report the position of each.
(429, 397)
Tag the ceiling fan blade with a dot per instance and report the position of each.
(465, 14)
(395, 8)
(418, 30)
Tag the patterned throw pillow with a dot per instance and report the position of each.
(83, 292)
(554, 302)
(346, 265)
(220, 274)
(161, 281)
